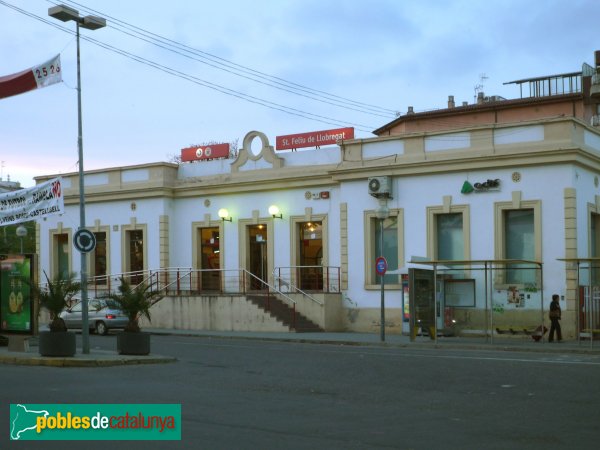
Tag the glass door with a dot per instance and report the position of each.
(258, 256)
(310, 270)
(210, 260)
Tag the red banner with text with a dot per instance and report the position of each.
(313, 138)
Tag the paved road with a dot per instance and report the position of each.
(245, 394)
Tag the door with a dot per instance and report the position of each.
(135, 256)
(258, 263)
(310, 256)
(210, 259)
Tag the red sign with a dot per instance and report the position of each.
(205, 152)
(313, 139)
(381, 266)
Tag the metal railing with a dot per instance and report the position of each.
(189, 281)
(306, 279)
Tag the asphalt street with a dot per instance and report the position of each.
(251, 394)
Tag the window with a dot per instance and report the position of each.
(61, 251)
(519, 244)
(450, 237)
(518, 235)
(134, 252)
(99, 259)
(393, 247)
(595, 247)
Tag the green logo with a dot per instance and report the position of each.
(93, 422)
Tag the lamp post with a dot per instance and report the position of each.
(382, 213)
(66, 14)
(21, 233)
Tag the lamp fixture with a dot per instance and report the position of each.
(274, 211)
(224, 215)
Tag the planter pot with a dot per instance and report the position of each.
(53, 343)
(133, 343)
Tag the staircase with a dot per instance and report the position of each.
(283, 313)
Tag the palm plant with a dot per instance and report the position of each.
(56, 296)
(135, 302)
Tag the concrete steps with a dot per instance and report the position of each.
(284, 313)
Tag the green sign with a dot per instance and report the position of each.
(95, 422)
(15, 299)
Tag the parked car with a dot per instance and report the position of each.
(103, 315)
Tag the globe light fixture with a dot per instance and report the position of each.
(274, 211)
(224, 215)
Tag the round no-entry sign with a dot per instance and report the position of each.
(84, 240)
(381, 265)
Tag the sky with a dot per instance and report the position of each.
(163, 76)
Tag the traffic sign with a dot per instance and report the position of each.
(381, 266)
(84, 240)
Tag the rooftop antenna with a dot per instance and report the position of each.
(479, 87)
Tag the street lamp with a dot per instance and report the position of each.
(382, 213)
(66, 14)
(21, 233)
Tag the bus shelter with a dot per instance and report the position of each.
(587, 297)
(487, 299)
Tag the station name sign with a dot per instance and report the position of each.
(313, 138)
(201, 152)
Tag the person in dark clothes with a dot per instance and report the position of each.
(555, 314)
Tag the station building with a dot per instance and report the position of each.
(508, 187)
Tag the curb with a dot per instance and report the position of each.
(24, 359)
(543, 347)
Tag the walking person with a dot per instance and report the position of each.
(555, 314)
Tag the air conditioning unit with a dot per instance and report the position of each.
(595, 121)
(380, 187)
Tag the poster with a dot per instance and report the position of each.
(15, 299)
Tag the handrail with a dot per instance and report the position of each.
(296, 288)
(269, 286)
(327, 281)
(165, 278)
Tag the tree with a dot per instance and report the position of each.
(56, 296)
(135, 302)
(11, 244)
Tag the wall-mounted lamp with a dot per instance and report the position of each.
(224, 215)
(274, 211)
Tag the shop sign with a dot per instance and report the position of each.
(313, 138)
(203, 152)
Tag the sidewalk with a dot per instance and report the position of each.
(524, 343)
(103, 358)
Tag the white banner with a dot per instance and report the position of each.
(27, 80)
(33, 203)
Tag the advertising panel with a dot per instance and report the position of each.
(16, 308)
(313, 139)
(200, 152)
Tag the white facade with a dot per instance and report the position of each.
(550, 166)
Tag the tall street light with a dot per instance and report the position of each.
(66, 14)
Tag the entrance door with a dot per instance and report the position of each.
(258, 255)
(310, 256)
(210, 259)
(135, 256)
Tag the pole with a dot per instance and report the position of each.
(382, 289)
(85, 331)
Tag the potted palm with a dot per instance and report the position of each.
(55, 297)
(135, 302)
